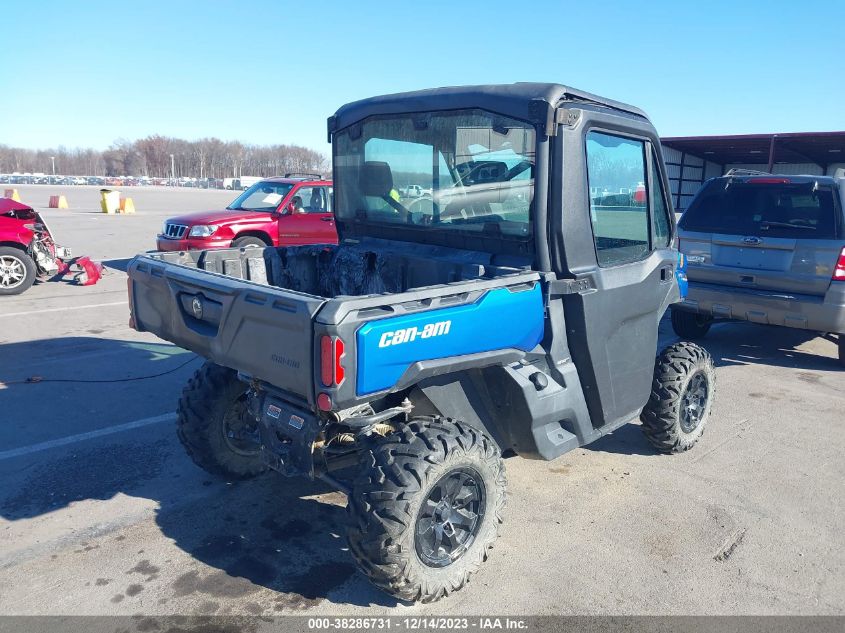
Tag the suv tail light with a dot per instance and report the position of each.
(839, 270)
(332, 351)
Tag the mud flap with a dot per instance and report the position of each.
(287, 435)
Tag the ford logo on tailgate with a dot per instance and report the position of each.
(752, 240)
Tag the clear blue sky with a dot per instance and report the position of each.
(86, 73)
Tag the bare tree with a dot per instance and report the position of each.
(150, 156)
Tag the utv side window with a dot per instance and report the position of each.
(618, 203)
(661, 228)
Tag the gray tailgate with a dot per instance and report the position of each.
(802, 266)
(260, 330)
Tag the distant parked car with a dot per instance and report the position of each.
(264, 215)
(767, 249)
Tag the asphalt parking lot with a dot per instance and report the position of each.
(101, 512)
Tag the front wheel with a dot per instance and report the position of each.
(689, 325)
(681, 398)
(425, 508)
(214, 425)
(249, 240)
(17, 271)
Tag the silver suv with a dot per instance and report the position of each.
(767, 249)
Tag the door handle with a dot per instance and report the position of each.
(327, 219)
(667, 273)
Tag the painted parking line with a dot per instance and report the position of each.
(65, 309)
(81, 437)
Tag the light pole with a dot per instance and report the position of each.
(53, 160)
(172, 168)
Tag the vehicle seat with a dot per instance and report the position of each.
(317, 204)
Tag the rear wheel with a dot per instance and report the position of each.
(425, 508)
(249, 240)
(681, 397)
(17, 271)
(690, 325)
(215, 427)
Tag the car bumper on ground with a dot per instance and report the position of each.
(769, 307)
(190, 244)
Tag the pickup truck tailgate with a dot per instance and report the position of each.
(260, 330)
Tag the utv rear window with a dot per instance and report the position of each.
(790, 210)
(448, 173)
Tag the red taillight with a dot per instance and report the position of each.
(339, 371)
(326, 361)
(332, 351)
(324, 402)
(768, 181)
(839, 271)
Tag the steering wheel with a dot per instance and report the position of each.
(424, 207)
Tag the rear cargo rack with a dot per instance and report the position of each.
(747, 172)
(304, 176)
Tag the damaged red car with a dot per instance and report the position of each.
(27, 249)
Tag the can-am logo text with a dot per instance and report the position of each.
(407, 335)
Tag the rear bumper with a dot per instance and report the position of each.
(804, 312)
(190, 244)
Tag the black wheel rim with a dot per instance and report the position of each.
(450, 517)
(239, 432)
(694, 402)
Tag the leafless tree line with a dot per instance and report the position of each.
(151, 156)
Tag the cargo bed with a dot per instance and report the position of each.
(259, 311)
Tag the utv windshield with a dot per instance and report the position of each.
(262, 196)
(460, 171)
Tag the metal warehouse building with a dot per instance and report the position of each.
(690, 160)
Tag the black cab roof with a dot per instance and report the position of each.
(525, 101)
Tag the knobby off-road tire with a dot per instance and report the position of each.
(681, 398)
(689, 325)
(410, 481)
(213, 427)
(17, 271)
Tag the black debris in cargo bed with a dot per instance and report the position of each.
(347, 270)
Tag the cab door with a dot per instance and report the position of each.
(617, 229)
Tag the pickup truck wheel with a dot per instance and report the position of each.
(425, 508)
(214, 427)
(689, 325)
(249, 241)
(681, 398)
(17, 271)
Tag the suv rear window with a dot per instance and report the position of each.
(792, 210)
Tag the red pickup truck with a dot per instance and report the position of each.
(287, 211)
